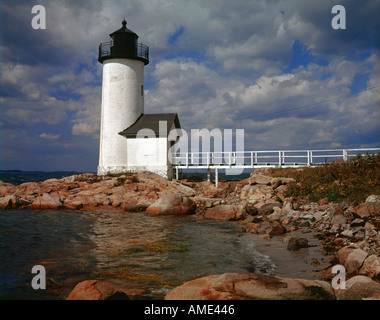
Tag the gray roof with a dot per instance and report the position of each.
(151, 121)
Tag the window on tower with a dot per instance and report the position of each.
(142, 90)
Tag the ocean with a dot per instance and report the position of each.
(151, 254)
(17, 177)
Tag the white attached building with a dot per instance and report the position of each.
(130, 140)
(148, 145)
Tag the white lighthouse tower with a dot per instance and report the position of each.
(123, 60)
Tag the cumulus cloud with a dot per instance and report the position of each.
(49, 136)
(310, 107)
(273, 68)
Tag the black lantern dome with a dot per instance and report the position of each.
(123, 45)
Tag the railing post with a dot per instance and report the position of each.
(279, 159)
(187, 159)
(252, 159)
(229, 159)
(345, 155)
(256, 157)
(308, 158)
(216, 177)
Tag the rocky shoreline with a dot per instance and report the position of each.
(347, 235)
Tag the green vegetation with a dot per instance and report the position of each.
(351, 180)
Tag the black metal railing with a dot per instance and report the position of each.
(142, 51)
(105, 49)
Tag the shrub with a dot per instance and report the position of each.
(351, 180)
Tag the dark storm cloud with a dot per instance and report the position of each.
(314, 26)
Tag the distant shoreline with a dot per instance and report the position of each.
(39, 171)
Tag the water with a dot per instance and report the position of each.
(146, 256)
(152, 254)
(19, 177)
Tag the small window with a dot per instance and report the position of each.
(142, 90)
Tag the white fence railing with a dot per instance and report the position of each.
(257, 159)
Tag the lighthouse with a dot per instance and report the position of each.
(130, 140)
(123, 60)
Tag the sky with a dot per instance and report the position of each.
(276, 69)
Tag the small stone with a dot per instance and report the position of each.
(347, 233)
(277, 230)
(304, 224)
(268, 208)
(373, 198)
(338, 219)
(357, 223)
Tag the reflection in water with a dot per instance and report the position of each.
(133, 249)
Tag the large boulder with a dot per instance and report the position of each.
(250, 286)
(172, 204)
(367, 209)
(344, 252)
(225, 213)
(357, 288)
(352, 258)
(96, 290)
(371, 267)
(209, 189)
(6, 189)
(256, 192)
(355, 260)
(73, 203)
(260, 179)
(47, 201)
(8, 202)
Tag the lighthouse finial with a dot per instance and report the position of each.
(124, 23)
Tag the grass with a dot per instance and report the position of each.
(353, 180)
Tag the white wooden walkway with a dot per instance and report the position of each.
(259, 159)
